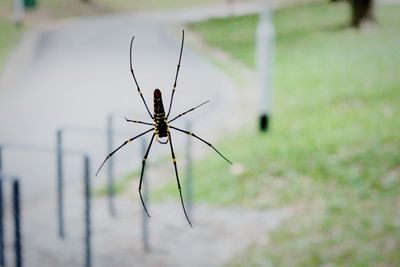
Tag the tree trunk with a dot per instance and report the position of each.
(362, 11)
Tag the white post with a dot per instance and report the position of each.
(19, 11)
(265, 43)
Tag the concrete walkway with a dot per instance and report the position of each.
(79, 73)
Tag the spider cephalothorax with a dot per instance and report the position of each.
(161, 127)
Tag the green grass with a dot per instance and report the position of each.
(333, 151)
(8, 38)
(120, 186)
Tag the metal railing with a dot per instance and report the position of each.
(16, 212)
(61, 152)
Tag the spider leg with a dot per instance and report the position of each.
(177, 178)
(188, 111)
(176, 74)
(201, 139)
(141, 174)
(123, 144)
(134, 78)
(141, 122)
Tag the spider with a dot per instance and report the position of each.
(161, 128)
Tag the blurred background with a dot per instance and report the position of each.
(304, 100)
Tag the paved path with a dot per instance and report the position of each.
(74, 75)
(80, 73)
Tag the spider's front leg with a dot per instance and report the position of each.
(176, 74)
(140, 122)
(134, 77)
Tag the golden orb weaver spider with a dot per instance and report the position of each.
(161, 127)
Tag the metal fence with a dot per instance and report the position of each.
(60, 152)
(16, 216)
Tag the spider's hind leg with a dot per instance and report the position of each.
(123, 144)
(177, 178)
(142, 172)
(201, 139)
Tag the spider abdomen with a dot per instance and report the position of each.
(161, 127)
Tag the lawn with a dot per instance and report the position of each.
(8, 38)
(333, 152)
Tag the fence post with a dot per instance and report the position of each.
(60, 185)
(19, 10)
(17, 222)
(87, 212)
(265, 39)
(145, 218)
(110, 180)
(1, 158)
(2, 247)
(189, 171)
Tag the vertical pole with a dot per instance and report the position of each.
(17, 222)
(2, 248)
(265, 38)
(145, 218)
(87, 212)
(110, 180)
(1, 158)
(60, 185)
(189, 171)
(18, 12)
